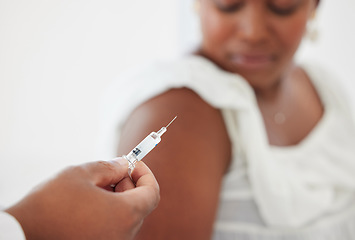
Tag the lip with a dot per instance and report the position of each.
(252, 61)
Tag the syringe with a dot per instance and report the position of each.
(144, 147)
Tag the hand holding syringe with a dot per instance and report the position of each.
(144, 147)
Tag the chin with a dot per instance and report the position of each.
(260, 79)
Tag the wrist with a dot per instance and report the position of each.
(10, 227)
(20, 216)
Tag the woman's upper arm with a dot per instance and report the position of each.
(189, 163)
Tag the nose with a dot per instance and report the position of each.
(252, 26)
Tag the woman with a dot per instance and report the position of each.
(261, 148)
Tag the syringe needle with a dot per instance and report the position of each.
(171, 122)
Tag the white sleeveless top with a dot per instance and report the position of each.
(300, 192)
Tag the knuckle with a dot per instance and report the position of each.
(157, 196)
(137, 216)
(106, 164)
(70, 170)
(158, 200)
(69, 174)
(78, 170)
(134, 212)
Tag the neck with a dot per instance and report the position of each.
(272, 92)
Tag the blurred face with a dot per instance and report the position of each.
(254, 38)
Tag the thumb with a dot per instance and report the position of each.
(146, 194)
(104, 173)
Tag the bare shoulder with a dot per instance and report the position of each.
(197, 123)
(189, 163)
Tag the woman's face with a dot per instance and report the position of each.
(254, 38)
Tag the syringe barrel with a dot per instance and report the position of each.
(142, 149)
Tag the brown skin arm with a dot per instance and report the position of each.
(189, 163)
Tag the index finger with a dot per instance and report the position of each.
(104, 173)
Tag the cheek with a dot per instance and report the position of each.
(290, 33)
(216, 30)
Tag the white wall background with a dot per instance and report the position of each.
(57, 57)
